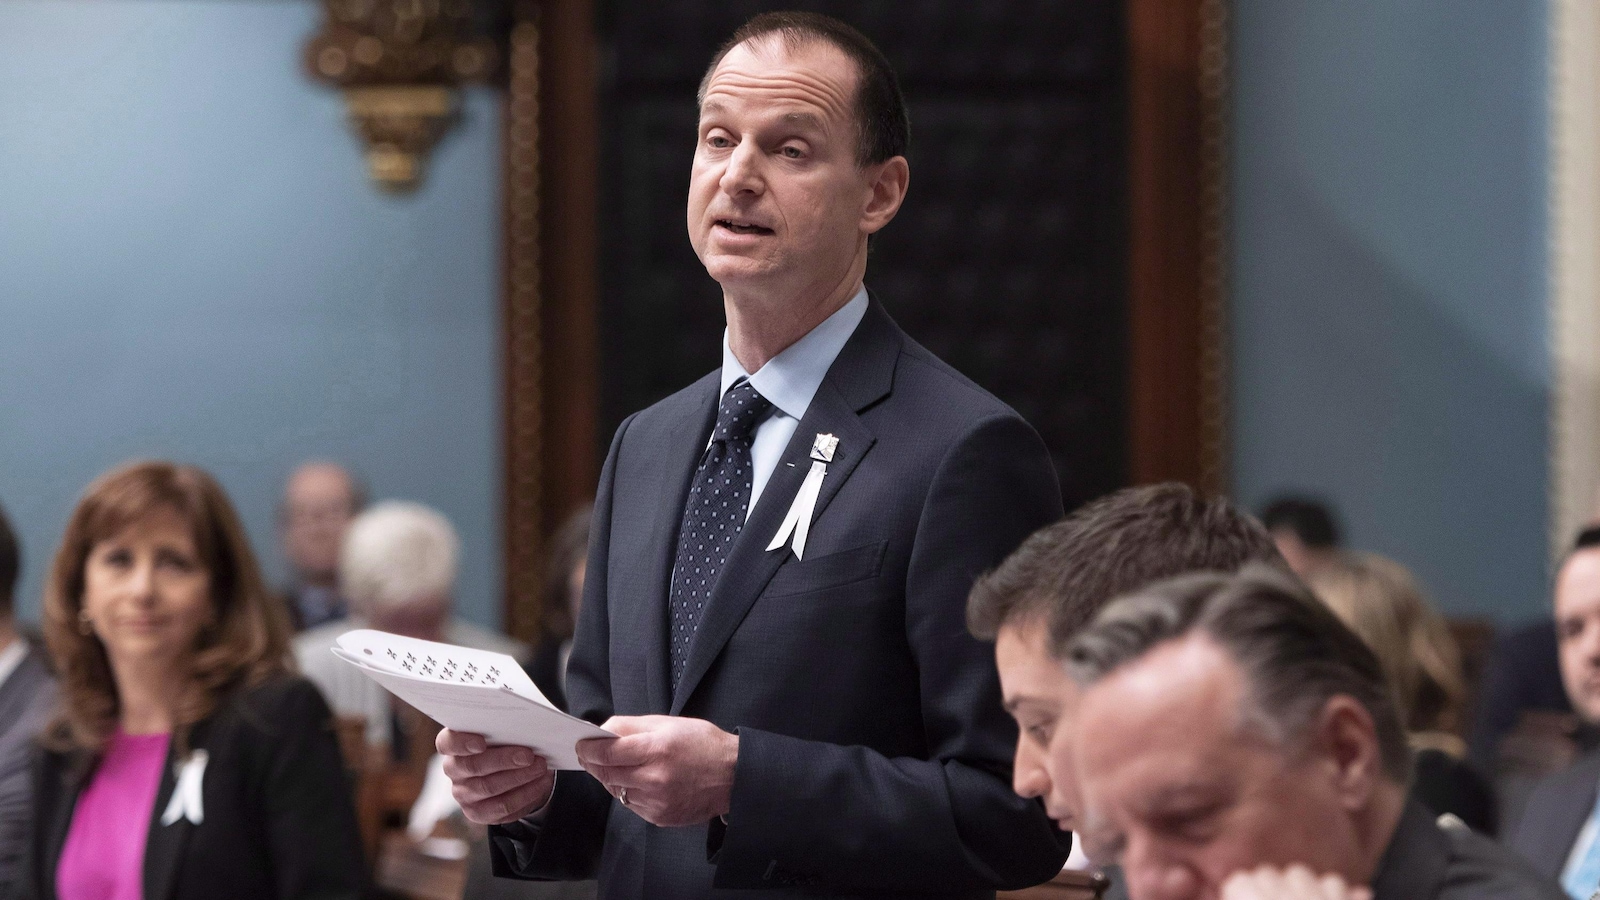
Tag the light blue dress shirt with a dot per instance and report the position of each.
(790, 380)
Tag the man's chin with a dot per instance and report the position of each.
(732, 270)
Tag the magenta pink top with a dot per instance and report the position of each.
(103, 858)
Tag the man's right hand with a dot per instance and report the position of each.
(494, 785)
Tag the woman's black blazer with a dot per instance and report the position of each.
(278, 819)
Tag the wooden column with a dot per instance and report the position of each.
(522, 333)
(571, 151)
(1176, 163)
(550, 331)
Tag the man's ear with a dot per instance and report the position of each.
(889, 180)
(1347, 740)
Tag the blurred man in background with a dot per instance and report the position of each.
(398, 567)
(1304, 530)
(319, 500)
(1561, 821)
(1032, 604)
(27, 696)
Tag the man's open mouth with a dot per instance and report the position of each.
(738, 227)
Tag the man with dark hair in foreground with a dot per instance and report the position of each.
(772, 612)
(27, 695)
(1061, 576)
(1246, 746)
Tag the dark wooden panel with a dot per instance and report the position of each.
(1176, 66)
(1008, 259)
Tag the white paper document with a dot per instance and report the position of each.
(464, 689)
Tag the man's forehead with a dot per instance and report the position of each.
(768, 69)
(1182, 693)
(1027, 669)
(317, 480)
(1578, 583)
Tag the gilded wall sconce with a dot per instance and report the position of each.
(400, 64)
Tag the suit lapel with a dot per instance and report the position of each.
(682, 447)
(1564, 823)
(67, 776)
(859, 377)
(165, 844)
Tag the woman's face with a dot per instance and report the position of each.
(147, 592)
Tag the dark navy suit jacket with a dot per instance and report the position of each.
(874, 755)
(1555, 812)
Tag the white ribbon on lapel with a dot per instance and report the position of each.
(798, 521)
(185, 803)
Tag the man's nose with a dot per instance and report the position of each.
(743, 172)
(1028, 777)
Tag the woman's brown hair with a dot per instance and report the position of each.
(1381, 601)
(247, 643)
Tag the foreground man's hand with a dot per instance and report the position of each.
(1294, 883)
(494, 785)
(675, 771)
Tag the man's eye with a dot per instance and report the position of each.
(1190, 824)
(1040, 734)
(792, 152)
(719, 142)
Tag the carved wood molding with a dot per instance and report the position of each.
(398, 63)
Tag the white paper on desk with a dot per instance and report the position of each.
(465, 689)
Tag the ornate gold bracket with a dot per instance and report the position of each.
(399, 63)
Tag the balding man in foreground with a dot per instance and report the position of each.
(1239, 742)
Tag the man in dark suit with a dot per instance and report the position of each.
(773, 611)
(27, 696)
(1559, 822)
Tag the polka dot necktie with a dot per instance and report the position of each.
(714, 515)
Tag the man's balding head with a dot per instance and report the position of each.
(882, 121)
(319, 500)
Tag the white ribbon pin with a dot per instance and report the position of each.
(185, 802)
(798, 521)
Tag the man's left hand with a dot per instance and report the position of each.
(669, 770)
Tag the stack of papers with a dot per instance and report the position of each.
(463, 689)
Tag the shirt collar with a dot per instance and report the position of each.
(790, 379)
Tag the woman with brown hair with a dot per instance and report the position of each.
(1381, 602)
(186, 760)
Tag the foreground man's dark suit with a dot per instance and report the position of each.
(874, 754)
(1428, 861)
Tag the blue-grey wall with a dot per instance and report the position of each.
(193, 264)
(1389, 280)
